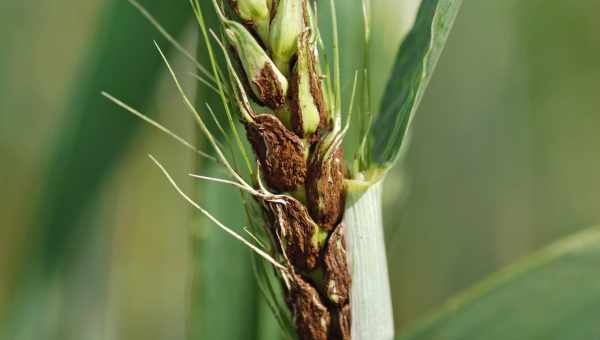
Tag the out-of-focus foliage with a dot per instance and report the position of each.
(91, 144)
(502, 161)
(95, 137)
(415, 63)
(496, 170)
(553, 295)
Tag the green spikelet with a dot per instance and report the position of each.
(268, 84)
(308, 109)
(255, 13)
(286, 27)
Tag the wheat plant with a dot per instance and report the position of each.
(275, 126)
(314, 221)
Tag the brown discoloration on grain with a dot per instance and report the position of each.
(311, 317)
(337, 276)
(294, 225)
(316, 89)
(244, 78)
(236, 9)
(294, 103)
(316, 92)
(305, 13)
(310, 238)
(268, 87)
(234, 6)
(279, 151)
(342, 324)
(325, 192)
(274, 5)
(316, 84)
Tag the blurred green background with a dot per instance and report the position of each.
(504, 159)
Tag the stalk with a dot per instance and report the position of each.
(372, 313)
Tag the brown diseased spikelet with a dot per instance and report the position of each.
(341, 326)
(316, 92)
(337, 277)
(311, 317)
(325, 191)
(316, 85)
(296, 111)
(269, 90)
(274, 8)
(294, 225)
(279, 151)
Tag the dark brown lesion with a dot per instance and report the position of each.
(316, 78)
(296, 120)
(307, 233)
(320, 304)
(325, 191)
(311, 316)
(274, 5)
(316, 92)
(270, 93)
(337, 277)
(337, 282)
(319, 284)
(279, 151)
(341, 324)
(316, 89)
(296, 231)
(305, 13)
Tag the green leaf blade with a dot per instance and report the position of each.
(94, 136)
(223, 269)
(552, 295)
(415, 63)
(98, 133)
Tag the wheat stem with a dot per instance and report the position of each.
(372, 314)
